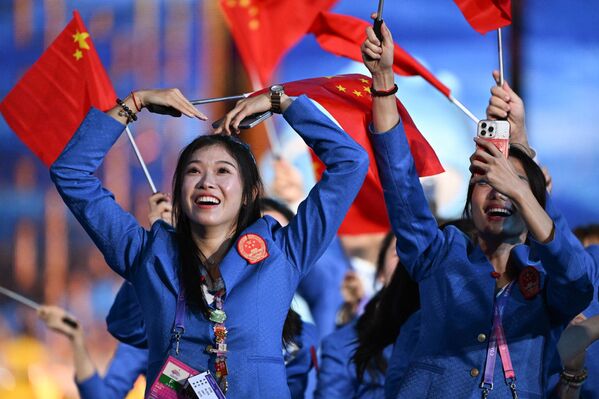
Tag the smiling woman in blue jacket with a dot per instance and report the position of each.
(504, 292)
(215, 290)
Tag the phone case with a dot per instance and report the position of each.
(497, 132)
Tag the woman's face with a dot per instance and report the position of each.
(493, 214)
(212, 189)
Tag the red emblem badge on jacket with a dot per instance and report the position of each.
(252, 248)
(529, 282)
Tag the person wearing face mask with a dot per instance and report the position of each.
(214, 290)
(488, 308)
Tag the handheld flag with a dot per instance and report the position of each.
(343, 35)
(347, 98)
(264, 30)
(486, 15)
(49, 102)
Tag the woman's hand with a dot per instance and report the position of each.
(161, 207)
(490, 165)
(377, 56)
(168, 98)
(247, 107)
(506, 104)
(59, 320)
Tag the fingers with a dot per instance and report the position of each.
(159, 197)
(387, 37)
(496, 77)
(186, 107)
(243, 109)
(488, 146)
(371, 37)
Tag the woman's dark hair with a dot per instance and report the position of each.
(189, 259)
(385, 314)
(380, 260)
(271, 204)
(534, 174)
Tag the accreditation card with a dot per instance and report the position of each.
(171, 379)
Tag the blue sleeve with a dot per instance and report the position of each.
(319, 216)
(591, 258)
(127, 364)
(115, 232)
(569, 268)
(419, 240)
(125, 320)
(334, 378)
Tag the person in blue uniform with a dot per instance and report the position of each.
(579, 360)
(354, 358)
(484, 296)
(215, 290)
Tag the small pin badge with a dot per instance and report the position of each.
(529, 282)
(252, 248)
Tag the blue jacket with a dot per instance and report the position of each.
(321, 288)
(401, 355)
(257, 296)
(337, 378)
(126, 366)
(457, 292)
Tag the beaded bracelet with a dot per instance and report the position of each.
(574, 380)
(383, 93)
(126, 111)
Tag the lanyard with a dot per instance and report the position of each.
(217, 316)
(498, 341)
(179, 327)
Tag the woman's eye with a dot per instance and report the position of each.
(482, 182)
(224, 170)
(192, 171)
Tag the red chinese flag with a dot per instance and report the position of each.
(343, 35)
(264, 30)
(486, 15)
(49, 102)
(347, 98)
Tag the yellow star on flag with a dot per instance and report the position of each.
(79, 37)
(78, 54)
(340, 88)
(364, 81)
(357, 93)
(367, 89)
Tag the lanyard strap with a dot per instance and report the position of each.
(179, 327)
(498, 341)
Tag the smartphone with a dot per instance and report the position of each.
(497, 132)
(249, 121)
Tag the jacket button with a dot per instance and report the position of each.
(474, 372)
(481, 338)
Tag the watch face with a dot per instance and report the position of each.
(276, 88)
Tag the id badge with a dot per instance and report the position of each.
(203, 386)
(171, 380)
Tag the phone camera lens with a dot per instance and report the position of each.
(491, 128)
(483, 132)
(483, 125)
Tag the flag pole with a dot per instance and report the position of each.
(271, 133)
(463, 108)
(500, 51)
(141, 160)
(20, 298)
(218, 99)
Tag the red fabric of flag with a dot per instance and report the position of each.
(486, 15)
(347, 98)
(343, 35)
(264, 30)
(49, 102)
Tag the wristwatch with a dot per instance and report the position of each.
(276, 91)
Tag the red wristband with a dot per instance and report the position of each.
(135, 102)
(383, 93)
